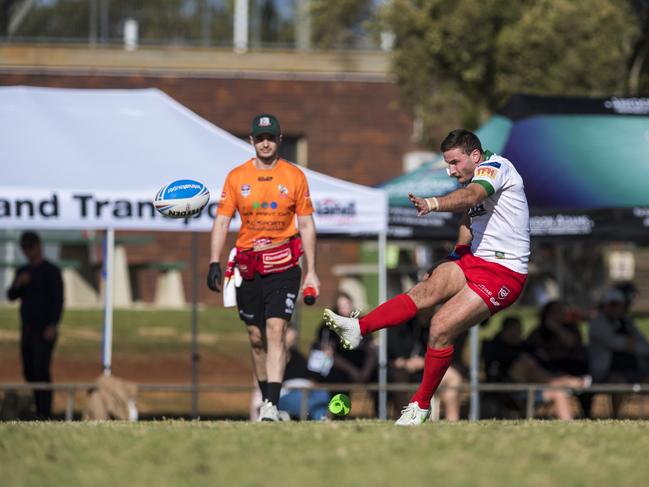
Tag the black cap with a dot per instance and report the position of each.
(265, 124)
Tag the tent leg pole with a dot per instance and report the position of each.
(195, 356)
(109, 282)
(383, 335)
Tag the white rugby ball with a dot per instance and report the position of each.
(182, 198)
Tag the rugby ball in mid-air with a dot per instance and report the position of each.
(182, 198)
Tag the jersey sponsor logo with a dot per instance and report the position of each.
(486, 172)
(503, 293)
(477, 211)
(264, 179)
(499, 254)
(265, 205)
(283, 190)
(245, 190)
(492, 164)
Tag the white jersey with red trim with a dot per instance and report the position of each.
(501, 223)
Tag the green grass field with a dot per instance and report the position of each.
(374, 453)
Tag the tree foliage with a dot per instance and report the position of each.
(336, 23)
(456, 61)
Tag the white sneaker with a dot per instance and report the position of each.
(283, 415)
(413, 415)
(348, 329)
(268, 411)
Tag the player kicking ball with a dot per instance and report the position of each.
(483, 275)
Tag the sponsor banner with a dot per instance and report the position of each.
(357, 215)
(630, 224)
(20, 208)
(549, 225)
(606, 224)
(404, 223)
(26, 208)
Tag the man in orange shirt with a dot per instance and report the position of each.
(268, 192)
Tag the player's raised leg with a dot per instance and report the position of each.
(445, 281)
(459, 313)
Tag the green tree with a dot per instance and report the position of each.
(566, 47)
(336, 23)
(456, 61)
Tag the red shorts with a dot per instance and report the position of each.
(497, 285)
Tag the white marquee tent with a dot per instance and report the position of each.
(94, 159)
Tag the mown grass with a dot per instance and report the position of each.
(170, 453)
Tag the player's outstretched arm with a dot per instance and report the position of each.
(458, 200)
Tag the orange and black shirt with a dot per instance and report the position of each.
(267, 201)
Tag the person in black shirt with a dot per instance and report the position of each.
(39, 286)
(507, 358)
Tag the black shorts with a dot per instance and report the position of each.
(269, 296)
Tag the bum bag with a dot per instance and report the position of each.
(269, 261)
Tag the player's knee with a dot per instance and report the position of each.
(256, 339)
(439, 335)
(275, 330)
(424, 295)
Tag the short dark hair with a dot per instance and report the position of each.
(462, 139)
(29, 240)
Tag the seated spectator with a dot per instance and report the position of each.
(507, 359)
(556, 341)
(331, 363)
(557, 345)
(298, 375)
(618, 352)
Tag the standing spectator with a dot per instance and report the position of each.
(39, 286)
(271, 195)
(618, 351)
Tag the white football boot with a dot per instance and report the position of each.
(268, 411)
(348, 329)
(413, 415)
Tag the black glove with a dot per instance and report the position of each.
(214, 277)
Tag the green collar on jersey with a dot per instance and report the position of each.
(487, 154)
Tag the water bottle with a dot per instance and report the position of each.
(309, 295)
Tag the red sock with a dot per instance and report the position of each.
(435, 365)
(393, 312)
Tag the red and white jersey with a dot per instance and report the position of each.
(501, 223)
